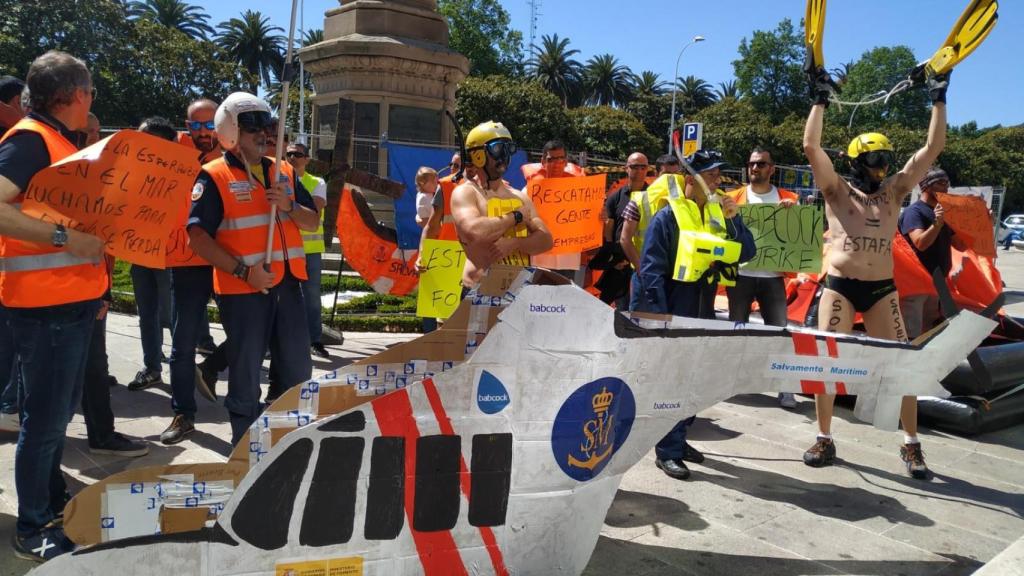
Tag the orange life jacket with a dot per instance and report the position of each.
(38, 275)
(448, 231)
(243, 229)
(536, 170)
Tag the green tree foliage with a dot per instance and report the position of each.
(877, 71)
(139, 68)
(176, 14)
(554, 67)
(480, 30)
(649, 83)
(312, 36)
(733, 127)
(610, 132)
(254, 43)
(693, 95)
(769, 71)
(606, 81)
(654, 113)
(533, 114)
(727, 90)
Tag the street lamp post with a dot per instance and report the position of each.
(675, 77)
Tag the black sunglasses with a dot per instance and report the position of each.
(195, 125)
(501, 149)
(295, 154)
(876, 159)
(758, 164)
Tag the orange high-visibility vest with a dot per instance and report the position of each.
(38, 275)
(243, 230)
(448, 231)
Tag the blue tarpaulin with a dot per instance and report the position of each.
(404, 161)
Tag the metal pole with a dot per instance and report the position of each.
(282, 119)
(675, 77)
(302, 79)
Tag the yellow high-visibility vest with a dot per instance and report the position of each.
(702, 242)
(313, 242)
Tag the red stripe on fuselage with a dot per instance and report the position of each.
(833, 351)
(445, 423)
(437, 550)
(807, 345)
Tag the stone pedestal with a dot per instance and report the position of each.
(392, 58)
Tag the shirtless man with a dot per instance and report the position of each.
(496, 223)
(862, 218)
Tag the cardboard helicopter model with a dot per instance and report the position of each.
(503, 459)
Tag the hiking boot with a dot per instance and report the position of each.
(673, 468)
(44, 545)
(144, 379)
(787, 400)
(823, 453)
(206, 382)
(180, 427)
(913, 457)
(10, 422)
(319, 350)
(691, 454)
(120, 445)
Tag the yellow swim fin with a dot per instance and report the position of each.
(814, 27)
(968, 33)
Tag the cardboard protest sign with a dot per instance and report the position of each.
(788, 239)
(571, 209)
(968, 216)
(126, 189)
(441, 265)
(507, 463)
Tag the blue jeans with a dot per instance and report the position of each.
(148, 283)
(311, 296)
(52, 345)
(671, 446)
(253, 322)
(191, 287)
(10, 379)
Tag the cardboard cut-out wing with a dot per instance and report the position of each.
(508, 462)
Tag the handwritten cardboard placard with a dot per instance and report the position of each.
(441, 267)
(968, 216)
(788, 239)
(125, 189)
(571, 209)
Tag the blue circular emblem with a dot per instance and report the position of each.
(591, 426)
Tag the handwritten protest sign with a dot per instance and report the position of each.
(126, 189)
(441, 267)
(787, 239)
(968, 217)
(571, 209)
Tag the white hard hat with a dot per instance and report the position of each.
(240, 109)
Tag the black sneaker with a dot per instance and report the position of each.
(206, 382)
(144, 379)
(180, 427)
(673, 468)
(44, 545)
(913, 457)
(823, 453)
(319, 351)
(691, 454)
(120, 445)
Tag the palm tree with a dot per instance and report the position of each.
(607, 82)
(176, 14)
(648, 84)
(314, 36)
(728, 90)
(553, 66)
(694, 94)
(842, 72)
(250, 41)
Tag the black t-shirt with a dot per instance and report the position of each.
(614, 205)
(920, 216)
(25, 153)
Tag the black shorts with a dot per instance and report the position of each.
(863, 294)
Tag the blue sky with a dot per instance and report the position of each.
(648, 34)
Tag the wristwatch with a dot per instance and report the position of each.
(518, 216)
(60, 236)
(241, 271)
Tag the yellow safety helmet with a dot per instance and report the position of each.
(868, 142)
(485, 133)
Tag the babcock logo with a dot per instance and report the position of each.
(592, 424)
(491, 395)
(545, 309)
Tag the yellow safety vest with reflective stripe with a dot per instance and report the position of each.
(313, 242)
(702, 241)
(651, 200)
